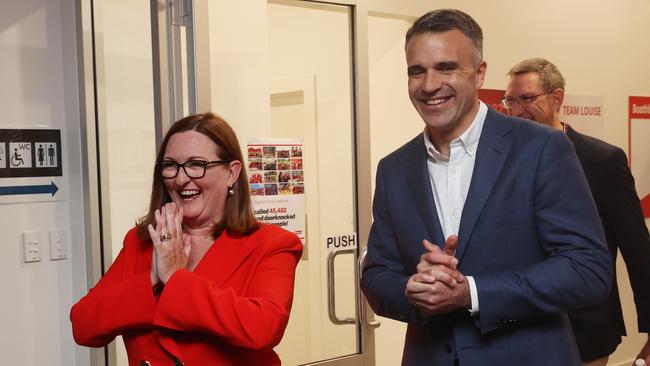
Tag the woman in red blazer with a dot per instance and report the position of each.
(199, 281)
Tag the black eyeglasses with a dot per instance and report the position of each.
(194, 169)
(508, 101)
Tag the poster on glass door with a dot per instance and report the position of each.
(639, 154)
(277, 185)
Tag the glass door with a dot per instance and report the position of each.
(278, 69)
(311, 98)
(290, 69)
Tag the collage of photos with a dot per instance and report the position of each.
(275, 170)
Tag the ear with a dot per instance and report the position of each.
(557, 96)
(480, 74)
(234, 169)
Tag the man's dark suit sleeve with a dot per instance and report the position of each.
(627, 226)
(384, 277)
(577, 268)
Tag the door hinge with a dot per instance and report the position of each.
(181, 12)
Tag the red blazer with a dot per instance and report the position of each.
(231, 310)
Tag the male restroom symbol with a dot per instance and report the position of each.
(51, 154)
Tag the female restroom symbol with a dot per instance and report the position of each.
(41, 155)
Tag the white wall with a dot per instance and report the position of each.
(601, 48)
(39, 87)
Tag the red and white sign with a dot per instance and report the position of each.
(276, 182)
(492, 97)
(584, 113)
(639, 154)
(640, 107)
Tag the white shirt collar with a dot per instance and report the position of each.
(468, 139)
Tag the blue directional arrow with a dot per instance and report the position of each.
(38, 189)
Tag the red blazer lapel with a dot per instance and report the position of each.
(224, 257)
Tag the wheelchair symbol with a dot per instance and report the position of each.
(16, 159)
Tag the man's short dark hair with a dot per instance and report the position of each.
(443, 20)
(550, 77)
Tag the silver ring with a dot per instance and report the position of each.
(165, 236)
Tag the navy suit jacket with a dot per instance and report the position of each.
(598, 329)
(529, 235)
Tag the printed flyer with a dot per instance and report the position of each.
(276, 179)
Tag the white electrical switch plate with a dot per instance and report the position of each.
(58, 245)
(31, 246)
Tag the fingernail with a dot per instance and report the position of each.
(454, 261)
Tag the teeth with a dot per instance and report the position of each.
(189, 192)
(437, 101)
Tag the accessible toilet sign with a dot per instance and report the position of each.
(31, 165)
(30, 153)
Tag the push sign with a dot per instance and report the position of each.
(341, 241)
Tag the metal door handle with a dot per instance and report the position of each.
(331, 303)
(370, 323)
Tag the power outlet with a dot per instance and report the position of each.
(31, 246)
(58, 245)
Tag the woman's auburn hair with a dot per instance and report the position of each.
(238, 218)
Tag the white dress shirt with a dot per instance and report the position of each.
(450, 178)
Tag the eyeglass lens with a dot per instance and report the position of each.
(193, 168)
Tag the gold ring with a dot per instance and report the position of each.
(165, 236)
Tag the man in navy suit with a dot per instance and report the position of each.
(536, 92)
(485, 232)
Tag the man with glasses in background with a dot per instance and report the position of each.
(536, 92)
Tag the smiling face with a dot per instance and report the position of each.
(444, 80)
(544, 108)
(203, 199)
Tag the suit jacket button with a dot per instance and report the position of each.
(447, 348)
